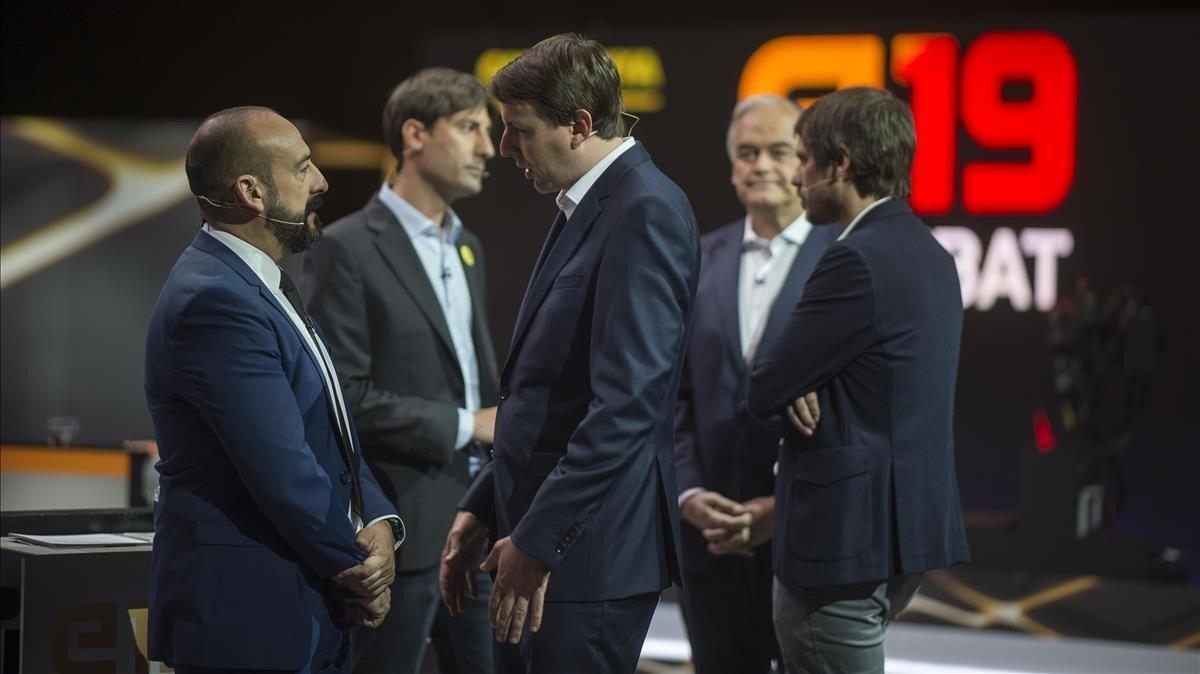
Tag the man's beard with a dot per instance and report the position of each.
(819, 211)
(296, 238)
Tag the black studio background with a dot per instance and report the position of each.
(1129, 208)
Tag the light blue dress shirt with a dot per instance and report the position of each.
(437, 247)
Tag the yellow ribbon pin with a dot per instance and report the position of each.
(468, 256)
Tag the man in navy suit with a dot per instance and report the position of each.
(272, 539)
(865, 368)
(751, 276)
(581, 492)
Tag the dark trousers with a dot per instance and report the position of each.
(603, 637)
(331, 655)
(463, 643)
(726, 605)
(835, 629)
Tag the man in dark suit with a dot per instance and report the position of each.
(256, 561)
(865, 368)
(581, 493)
(399, 287)
(751, 276)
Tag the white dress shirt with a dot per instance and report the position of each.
(437, 249)
(857, 218)
(764, 267)
(570, 198)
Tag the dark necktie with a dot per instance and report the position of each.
(343, 435)
(556, 230)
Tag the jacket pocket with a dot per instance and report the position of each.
(567, 281)
(830, 514)
(241, 586)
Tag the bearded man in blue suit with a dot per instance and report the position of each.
(272, 539)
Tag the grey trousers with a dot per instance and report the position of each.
(839, 628)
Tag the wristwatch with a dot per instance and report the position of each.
(398, 532)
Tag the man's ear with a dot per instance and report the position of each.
(414, 134)
(249, 192)
(841, 170)
(581, 128)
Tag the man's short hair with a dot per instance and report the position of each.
(746, 105)
(874, 127)
(427, 96)
(560, 75)
(224, 148)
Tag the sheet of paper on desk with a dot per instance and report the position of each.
(76, 540)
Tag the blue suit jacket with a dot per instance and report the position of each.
(583, 476)
(873, 493)
(254, 490)
(715, 447)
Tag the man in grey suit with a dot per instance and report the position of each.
(399, 289)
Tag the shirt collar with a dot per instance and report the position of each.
(569, 199)
(857, 218)
(259, 262)
(415, 222)
(795, 233)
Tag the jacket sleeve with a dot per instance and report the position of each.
(643, 298)
(687, 463)
(229, 366)
(480, 497)
(405, 425)
(833, 323)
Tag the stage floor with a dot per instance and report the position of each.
(928, 649)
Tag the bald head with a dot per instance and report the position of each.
(231, 143)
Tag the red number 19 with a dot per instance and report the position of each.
(1041, 125)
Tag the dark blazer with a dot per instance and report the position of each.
(388, 337)
(873, 493)
(254, 488)
(584, 477)
(715, 447)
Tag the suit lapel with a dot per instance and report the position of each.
(726, 263)
(555, 254)
(484, 353)
(398, 252)
(560, 251)
(209, 244)
(789, 295)
(523, 314)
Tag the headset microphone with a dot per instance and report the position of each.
(286, 222)
(823, 180)
(220, 204)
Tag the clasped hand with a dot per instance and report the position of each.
(370, 581)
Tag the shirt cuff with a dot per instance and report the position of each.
(403, 531)
(688, 493)
(466, 428)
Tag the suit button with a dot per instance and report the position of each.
(345, 477)
(504, 393)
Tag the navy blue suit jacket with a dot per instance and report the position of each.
(873, 493)
(715, 447)
(583, 476)
(254, 490)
